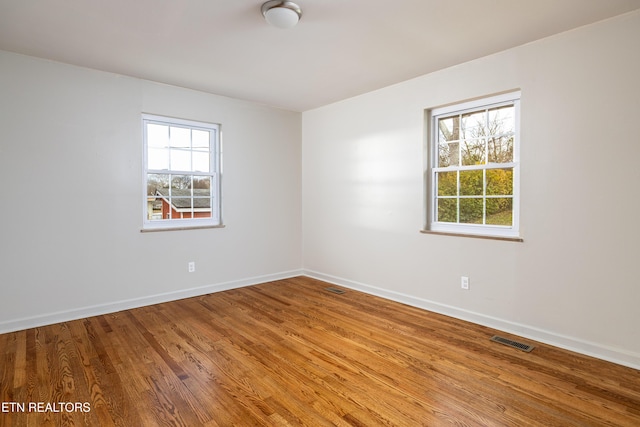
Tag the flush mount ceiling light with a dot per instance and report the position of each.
(281, 14)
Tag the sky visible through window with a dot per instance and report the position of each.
(178, 148)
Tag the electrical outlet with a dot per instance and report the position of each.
(191, 266)
(464, 282)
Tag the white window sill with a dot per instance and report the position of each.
(477, 236)
(178, 228)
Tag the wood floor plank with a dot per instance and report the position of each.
(290, 353)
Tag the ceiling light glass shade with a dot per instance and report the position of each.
(281, 17)
(281, 14)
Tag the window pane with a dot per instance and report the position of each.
(202, 193)
(500, 182)
(157, 190)
(500, 211)
(449, 128)
(474, 125)
(181, 182)
(200, 140)
(154, 208)
(180, 160)
(181, 203)
(158, 158)
(473, 152)
(448, 154)
(502, 120)
(500, 149)
(157, 135)
(447, 183)
(202, 182)
(180, 137)
(155, 182)
(199, 213)
(181, 200)
(471, 210)
(447, 210)
(202, 202)
(471, 183)
(201, 161)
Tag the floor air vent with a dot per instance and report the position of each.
(514, 344)
(335, 290)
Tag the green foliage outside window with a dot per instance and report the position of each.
(498, 182)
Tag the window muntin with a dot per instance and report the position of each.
(181, 173)
(474, 174)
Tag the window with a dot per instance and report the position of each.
(474, 167)
(181, 173)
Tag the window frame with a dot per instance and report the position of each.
(214, 174)
(466, 229)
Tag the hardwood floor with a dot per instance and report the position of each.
(291, 353)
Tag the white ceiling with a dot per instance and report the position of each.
(340, 48)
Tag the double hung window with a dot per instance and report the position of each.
(181, 173)
(474, 167)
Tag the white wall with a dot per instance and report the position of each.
(573, 282)
(70, 195)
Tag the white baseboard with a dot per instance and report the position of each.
(112, 307)
(577, 345)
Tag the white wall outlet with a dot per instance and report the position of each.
(191, 266)
(464, 282)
